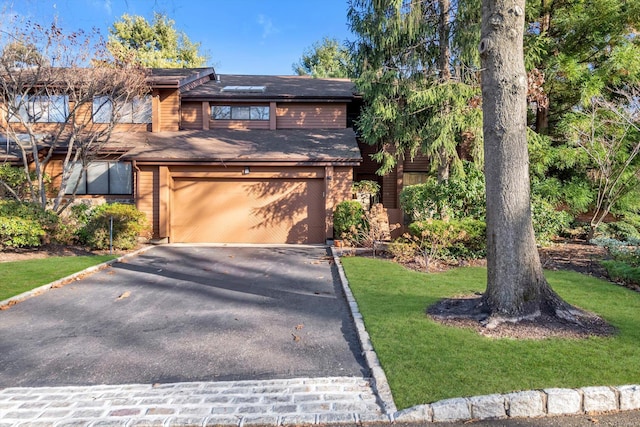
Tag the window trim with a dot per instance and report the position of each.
(254, 112)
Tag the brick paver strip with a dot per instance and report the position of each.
(275, 402)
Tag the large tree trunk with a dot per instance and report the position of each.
(516, 286)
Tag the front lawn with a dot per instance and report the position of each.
(21, 276)
(426, 362)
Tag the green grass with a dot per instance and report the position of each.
(426, 362)
(21, 276)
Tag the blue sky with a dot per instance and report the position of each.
(240, 36)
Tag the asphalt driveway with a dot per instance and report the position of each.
(186, 313)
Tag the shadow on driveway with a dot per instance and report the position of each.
(186, 313)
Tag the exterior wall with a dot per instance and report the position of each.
(166, 110)
(147, 196)
(311, 116)
(238, 124)
(338, 190)
(191, 113)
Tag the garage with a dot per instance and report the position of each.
(247, 210)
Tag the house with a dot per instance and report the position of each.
(229, 158)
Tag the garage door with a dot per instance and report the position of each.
(247, 211)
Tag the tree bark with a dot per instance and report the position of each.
(516, 286)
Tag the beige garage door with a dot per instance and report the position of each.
(247, 211)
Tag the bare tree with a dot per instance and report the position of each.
(608, 131)
(53, 86)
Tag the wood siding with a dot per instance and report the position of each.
(191, 115)
(311, 116)
(169, 106)
(147, 197)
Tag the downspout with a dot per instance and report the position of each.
(136, 183)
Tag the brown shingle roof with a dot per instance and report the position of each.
(287, 145)
(276, 87)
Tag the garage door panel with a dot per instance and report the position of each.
(247, 211)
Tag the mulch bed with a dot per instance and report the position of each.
(50, 250)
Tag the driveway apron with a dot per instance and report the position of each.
(186, 313)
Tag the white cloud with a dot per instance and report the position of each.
(267, 26)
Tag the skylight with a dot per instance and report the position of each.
(244, 89)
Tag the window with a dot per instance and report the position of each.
(412, 178)
(136, 111)
(101, 178)
(42, 108)
(238, 112)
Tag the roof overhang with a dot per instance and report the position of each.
(285, 146)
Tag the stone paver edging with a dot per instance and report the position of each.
(525, 404)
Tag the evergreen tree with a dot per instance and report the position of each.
(154, 45)
(418, 77)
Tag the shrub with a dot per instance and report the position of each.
(403, 249)
(620, 230)
(548, 222)
(458, 239)
(25, 224)
(625, 266)
(349, 221)
(459, 197)
(128, 224)
(16, 232)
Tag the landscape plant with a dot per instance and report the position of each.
(624, 267)
(25, 224)
(129, 224)
(349, 221)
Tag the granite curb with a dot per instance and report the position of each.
(68, 279)
(523, 404)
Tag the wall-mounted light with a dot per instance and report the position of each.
(246, 170)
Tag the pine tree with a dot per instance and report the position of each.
(418, 80)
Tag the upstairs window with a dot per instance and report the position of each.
(239, 112)
(101, 178)
(41, 109)
(137, 111)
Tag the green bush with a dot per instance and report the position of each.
(403, 249)
(548, 222)
(458, 239)
(128, 224)
(619, 230)
(16, 232)
(459, 197)
(349, 221)
(25, 224)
